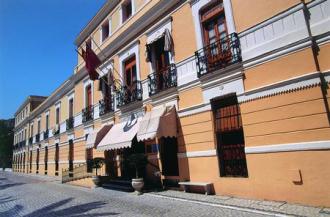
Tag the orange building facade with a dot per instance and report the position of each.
(230, 92)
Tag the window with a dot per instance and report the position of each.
(71, 107)
(215, 33)
(88, 96)
(57, 156)
(46, 160)
(130, 75)
(89, 159)
(57, 114)
(230, 137)
(127, 10)
(71, 156)
(105, 30)
(37, 161)
(89, 43)
(31, 133)
(39, 126)
(47, 122)
(30, 161)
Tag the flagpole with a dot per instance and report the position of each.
(101, 51)
(96, 71)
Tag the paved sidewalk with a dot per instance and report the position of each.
(39, 177)
(149, 204)
(232, 202)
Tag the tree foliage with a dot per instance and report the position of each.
(6, 143)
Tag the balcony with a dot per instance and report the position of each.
(38, 137)
(87, 114)
(46, 134)
(162, 80)
(70, 123)
(21, 144)
(106, 106)
(218, 55)
(56, 130)
(127, 95)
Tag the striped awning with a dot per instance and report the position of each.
(94, 138)
(159, 122)
(120, 135)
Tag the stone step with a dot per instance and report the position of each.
(126, 188)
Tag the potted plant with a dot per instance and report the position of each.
(138, 161)
(97, 164)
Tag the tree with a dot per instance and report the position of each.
(6, 142)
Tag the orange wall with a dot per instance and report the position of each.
(252, 12)
(298, 116)
(283, 68)
(184, 36)
(270, 177)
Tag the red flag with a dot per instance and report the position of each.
(92, 62)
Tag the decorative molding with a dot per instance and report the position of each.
(289, 147)
(292, 84)
(207, 153)
(194, 110)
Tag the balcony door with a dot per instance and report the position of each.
(130, 77)
(71, 108)
(88, 96)
(215, 32)
(130, 72)
(162, 61)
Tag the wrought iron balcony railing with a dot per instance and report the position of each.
(70, 123)
(46, 134)
(21, 144)
(127, 95)
(56, 130)
(38, 137)
(162, 80)
(106, 106)
(87, 114)
(218, 55)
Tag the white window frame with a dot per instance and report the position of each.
(86, 83)
(197, 6)
(58, 106)
(155, 33)
(71, 96)
(47, 113)
(121, 11)
(125, 55)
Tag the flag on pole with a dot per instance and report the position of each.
(92, 62)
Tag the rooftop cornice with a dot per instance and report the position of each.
(96, 20)
(27, 100)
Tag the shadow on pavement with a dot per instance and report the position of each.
(5, 186)
(12, 211)
(74, 211)
(6, 199)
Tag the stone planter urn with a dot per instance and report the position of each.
(96, 180)
(138, 185)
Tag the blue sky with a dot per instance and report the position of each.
(37, 51)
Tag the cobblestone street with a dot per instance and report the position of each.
(22, 195)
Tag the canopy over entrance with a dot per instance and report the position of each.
(159, 122)
(96, 136)
(120, 135)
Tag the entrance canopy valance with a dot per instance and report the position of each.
(94, 138)
(120, 135)
(159, 122)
